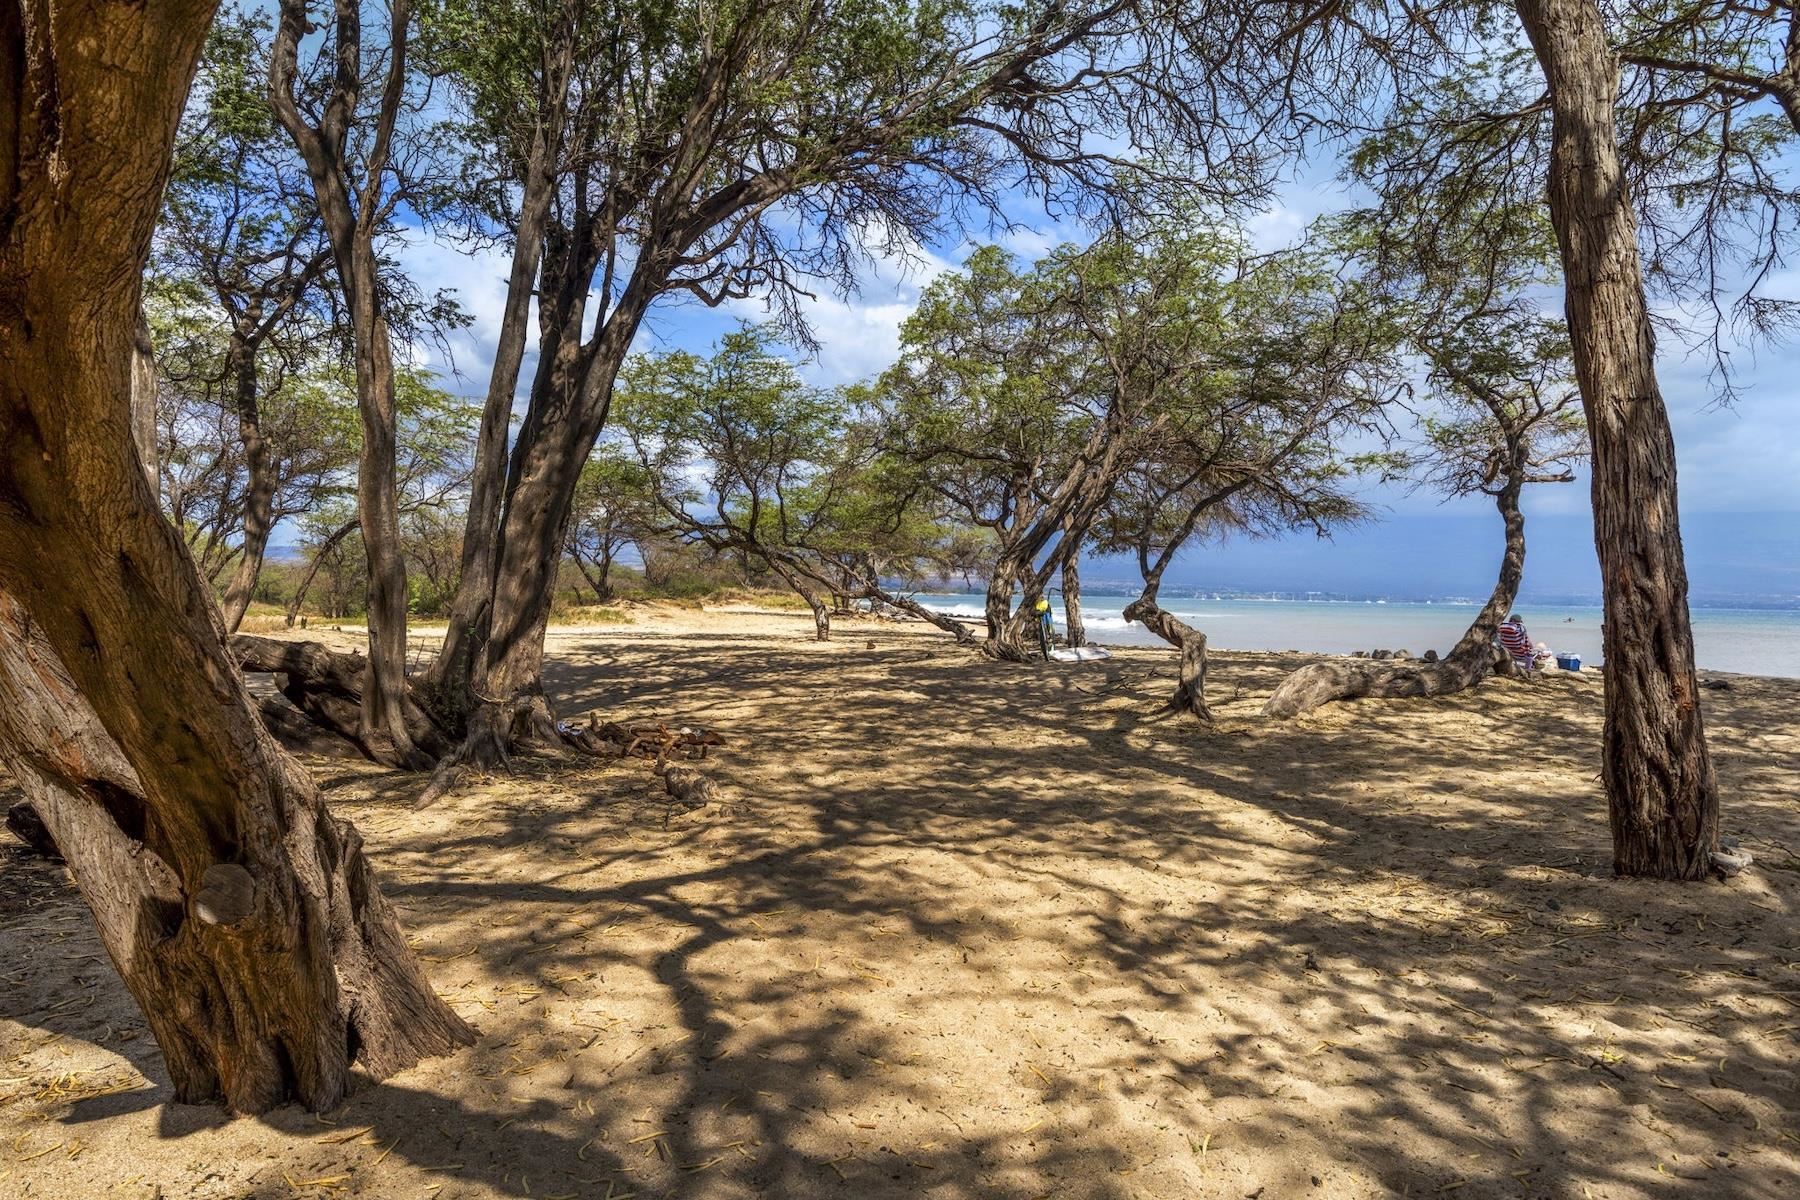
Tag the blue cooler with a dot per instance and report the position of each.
(1568, 662)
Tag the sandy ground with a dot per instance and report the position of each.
(969, 930)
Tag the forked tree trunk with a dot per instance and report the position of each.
(240, 914)
(602, 592)
(1472, 659)
(1190, 686)
(504, 679)
(1661, 792)
(481, 535)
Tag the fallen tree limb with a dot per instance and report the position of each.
(1360, 679)
(327, 686)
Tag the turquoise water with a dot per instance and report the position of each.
(1749, 641)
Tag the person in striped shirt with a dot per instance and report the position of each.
(1517, 644)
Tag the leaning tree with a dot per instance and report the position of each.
(1250, 371)
(718, 152)
(1017, 396)
(1498, 410)
(242, 916)
(1660, 136)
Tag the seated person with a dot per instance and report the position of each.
(1517, 643)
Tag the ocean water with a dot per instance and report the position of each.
(1748, 641)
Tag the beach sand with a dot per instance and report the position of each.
(963, 929)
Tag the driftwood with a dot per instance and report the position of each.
(655, 741)
(326, 686)
(688, 786)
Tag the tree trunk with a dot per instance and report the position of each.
(1006, 630)
(907, 604)
(351, 228)
(1190, 687)
(596, 582)
(569, 407)
(487, 485)
(1661, 793)
(242, 917)
(1071, 589)
(820, 612)
(259, 501)
(1471, 660)
(213, 963)
(328, 687)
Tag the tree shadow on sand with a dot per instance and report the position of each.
(966, 930)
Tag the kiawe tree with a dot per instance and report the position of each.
(715, 152)
(365, 160)
(1499, 410)
(240, 241)
(614, 507)
(1017, 421)
(1247, 370)
(242, 916)
(741, 456)
(1662, 171)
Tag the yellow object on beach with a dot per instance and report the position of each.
(1043, 605)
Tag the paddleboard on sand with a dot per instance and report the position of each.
(1080, 654)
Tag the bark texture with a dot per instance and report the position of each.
(1661, 793)
(259, 499)
(1190, 686)
(242, 917)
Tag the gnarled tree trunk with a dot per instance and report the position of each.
(1472, 659)
(1661, 792)
(240, 914)
(328, 687)
(1190, 687)
(265, 977)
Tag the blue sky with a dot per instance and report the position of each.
(1738, 462)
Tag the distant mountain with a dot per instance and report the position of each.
(1734, 560)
